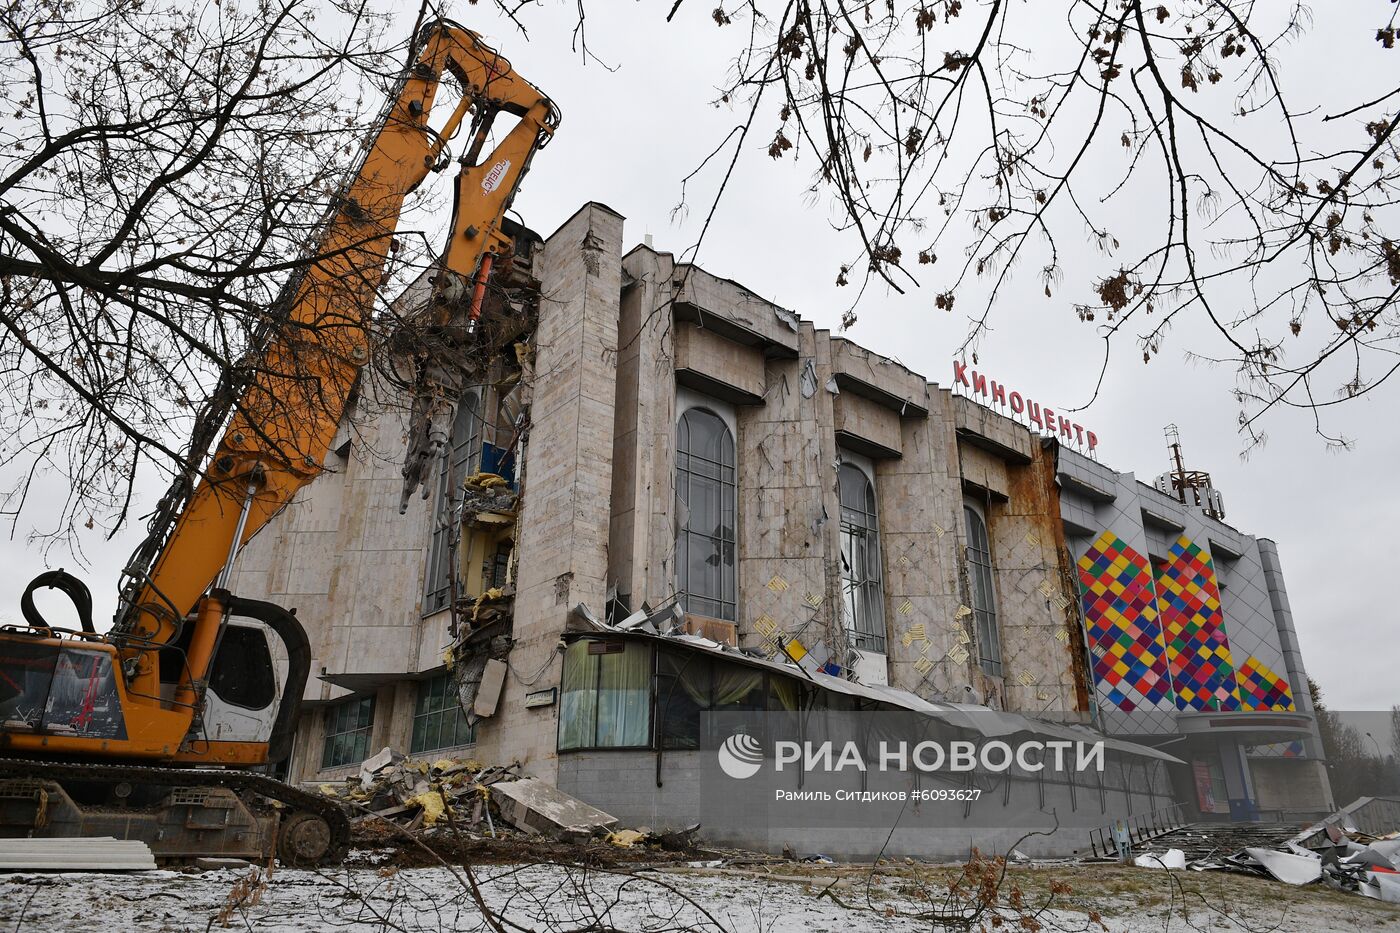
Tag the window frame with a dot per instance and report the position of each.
(596, 693)
(713, 670)
(439, 573)
(981, 573)
(256, 671)
(723, 605)
(448, 704)
(365, 730)
(658, 695)
(866, 634)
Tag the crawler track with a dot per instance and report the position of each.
(244, 783)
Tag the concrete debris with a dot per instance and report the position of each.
(376, 763)
(532, 805)
(488, 694)
(459, 800)
(418, 794)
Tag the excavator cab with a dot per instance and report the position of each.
(59, 687)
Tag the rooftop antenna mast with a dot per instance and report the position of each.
(1190, 487)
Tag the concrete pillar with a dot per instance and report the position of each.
(1292, 655)
(919, 497)
(643, 540)
(567, 481)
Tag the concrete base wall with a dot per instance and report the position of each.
(1291, 785)
(624, 783)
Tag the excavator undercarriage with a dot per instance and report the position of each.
(181, 813)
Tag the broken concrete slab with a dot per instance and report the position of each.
(532, 805)
(488, 693)
(374, 764)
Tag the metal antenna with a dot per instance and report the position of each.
(1191, 487)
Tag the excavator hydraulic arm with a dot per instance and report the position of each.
(283, 424)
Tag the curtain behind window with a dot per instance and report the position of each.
(786, 693)
(738, 688)
(578, 704)
(682, 694)
(624, 697)
(606, 698)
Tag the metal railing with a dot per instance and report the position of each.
(1138, 828)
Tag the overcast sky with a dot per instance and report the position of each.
(629, 136)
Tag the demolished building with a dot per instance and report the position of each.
(660, 473)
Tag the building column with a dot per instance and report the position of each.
(567, 478)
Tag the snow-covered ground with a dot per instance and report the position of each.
(824, 898)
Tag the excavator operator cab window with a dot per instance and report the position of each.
(243, 673)
(172, 658)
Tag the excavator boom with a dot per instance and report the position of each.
(105, 701)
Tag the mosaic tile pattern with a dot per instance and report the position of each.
(1198, 653)
(1281, 750)
(1125, 639)
(1261, 688)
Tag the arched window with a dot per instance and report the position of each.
(462, 460)
(980, 577)
(861, 574)
(705, 496)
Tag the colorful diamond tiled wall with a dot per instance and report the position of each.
(1120, 611)
(1280, 750)
(1198, 653)
(1261, 688)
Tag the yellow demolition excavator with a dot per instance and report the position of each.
(161, 729)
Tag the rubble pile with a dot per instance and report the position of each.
(421, 795)
(1335, 853)
(459, 805)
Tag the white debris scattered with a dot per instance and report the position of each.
(1288, 867)
(1172, 858)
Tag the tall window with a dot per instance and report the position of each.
(984, 606)
(462, 460)
(606, 695)
(705, 494)
(861, 589)
(438, 718)
(348, 730)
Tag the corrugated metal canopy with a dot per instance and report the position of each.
(980, 719)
